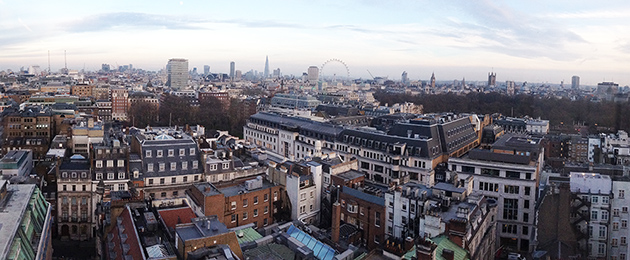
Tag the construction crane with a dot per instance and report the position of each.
(371, 75)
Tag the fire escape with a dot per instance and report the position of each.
(579, 220)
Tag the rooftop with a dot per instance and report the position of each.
(11, 213)
(201, 227)
(172, 217)
(234, 190)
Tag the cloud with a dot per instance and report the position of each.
(110, 21)
(599, 14)
(500, 29)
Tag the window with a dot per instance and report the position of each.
(121, 163)
(245, 203)
(615, 225)
(161, 167)
(594, 215)
(84, 187)
(149, 167)
(192, 151)
(99, 176)
(64, 175)
(110, 176)
(623, 241)
(150, 181)
(110, 163)
(182, 152)
(213, 167)
(266, 210)
(614, 242)
(601, 249)
(602, 231)
(196, 177)
(121, 186)
(255, 212)
(525, 230)
(83, 201)
(226, 165)
(312, 194)
(527, 191)
(185, 179)
(509, 229)
(173, 179)
(604, 215)
(511, 174)
(265, 222)
(594, 199)
(616, 212)
(163, 194)
(622, 194)
(624, 223)
(173, 166)
(510, 209)
(184, 165)
(148, 153)
(233, 218)
(245, 215)
(194, 165)
(99, 164)
(510, 189)
(266, 197)
(605, 199)
(121, 175)
(175, 193)
(303, 196)
(275, 196)
(161, 180)
(73, 200)
(525, 217)
(526, 204)
(233, 205)
(624, 209)
(491, 172)
(171, 153)
(255, 200)
(159, 153)
(377, 220)
(152, 195)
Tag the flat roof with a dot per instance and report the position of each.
(230, 191)
(200, 228)
(17, 200)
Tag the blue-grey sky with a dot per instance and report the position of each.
(535, 41)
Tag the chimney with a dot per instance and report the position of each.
(425, 249)
(448, 254)
(408, 243)
(336, 218)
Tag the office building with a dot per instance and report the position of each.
(31, 128)
(313, 74)
(508, 172)
(404, 79)
(169, 163)
(236, 203)
(75, 204)
(16, 163)
(575, 82)
(120, 103)
(232, 70)
(177, 70)
(206, 69)
(266, 73)
(25, 223)
(303, 184)
(591, 212)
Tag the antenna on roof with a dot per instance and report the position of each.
(65, 59)
(48, 61)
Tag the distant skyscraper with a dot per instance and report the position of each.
(575, 82)
(432, 80)
(492, 79)
(105, 67)
(404, 78)
(510, 87)
(238, 75)
(206, 69)
(464, 83)
(266, 75)
(277, 73)
(232, 70)
(177, 70)
(313, 74)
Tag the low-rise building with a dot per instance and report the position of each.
(17, 163)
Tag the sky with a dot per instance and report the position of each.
(534, 41)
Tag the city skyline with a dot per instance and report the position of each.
(533, 41)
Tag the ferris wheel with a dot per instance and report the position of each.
(321, 70)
